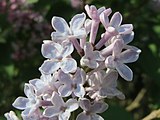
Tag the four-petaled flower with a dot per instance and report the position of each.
(72, 84)
(58, 57)
(91, 57)
(90, 109)
(61, 109)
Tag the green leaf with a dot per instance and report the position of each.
(116, 112)
(32, 1)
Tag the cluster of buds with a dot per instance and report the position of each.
(68, 83)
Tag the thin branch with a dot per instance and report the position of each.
(136, 103)
(153, 115)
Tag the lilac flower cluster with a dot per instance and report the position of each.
(66, 86)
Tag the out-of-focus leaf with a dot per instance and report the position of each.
(32, 1)
(116, 112)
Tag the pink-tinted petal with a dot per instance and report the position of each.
(85, 104)
(50, 66)
(67, 49)
(83, 116)
(116, 20)
(68, 65)
(51, 50)
(117, 48)
(60, 25)
(124, 71)
(87, 25)
(109, 62)
(21, 103)
(72, 105)
(90, 63)
(65, 90)
(57, 100)
(77, 21)
(51, 111)
(125, 29)
(97, 56)
(100, 10)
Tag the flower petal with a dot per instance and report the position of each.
(21, 103)
(128, 37)
(80, 33)
(68, 65)
(83, 116)
(51, 111)
(129, 56)
(64, 115)
(77, 21)
(57, 100)
(67, 49)
(124, 71)
(51, 50)
(85, 104)
(79, 91)
(72, 105)
(96, 117)
(99, 107)
(125, 29)
(65, 90)
(64, 78)
(49, 66)
(29, 91)
(116, 20)
(60, 25)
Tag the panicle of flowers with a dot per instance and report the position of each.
(68, 83)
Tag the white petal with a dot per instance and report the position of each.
(49, 66)
(79, 91)
(90, 63)
(129, 56)
(51, 111)
(109, 62)
(125, 29)
(124, 71)
(58, 37)
(72, 105)
(68, 65)
(67, 49)
(80, 33)
(51, 50)
(60, 25)
(117, 48)
(116, 20)
(57, 100)
(21, 103)
(65, 90)
(29, 90)
(64, 78)
(100, 10)
(64, 115)
(128, 37)
(77, 21)
(83, 116)
(85, 104)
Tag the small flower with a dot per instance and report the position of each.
(90, 110)
(58, 57)
(46, 84)
(119, 57)
(61, 109)
(91, 57)
(11, 116)
(29, 104)
(115, 23)
(72, 84)
(103, 84)
(63, 31)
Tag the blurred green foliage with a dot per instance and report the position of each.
(146, 20)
